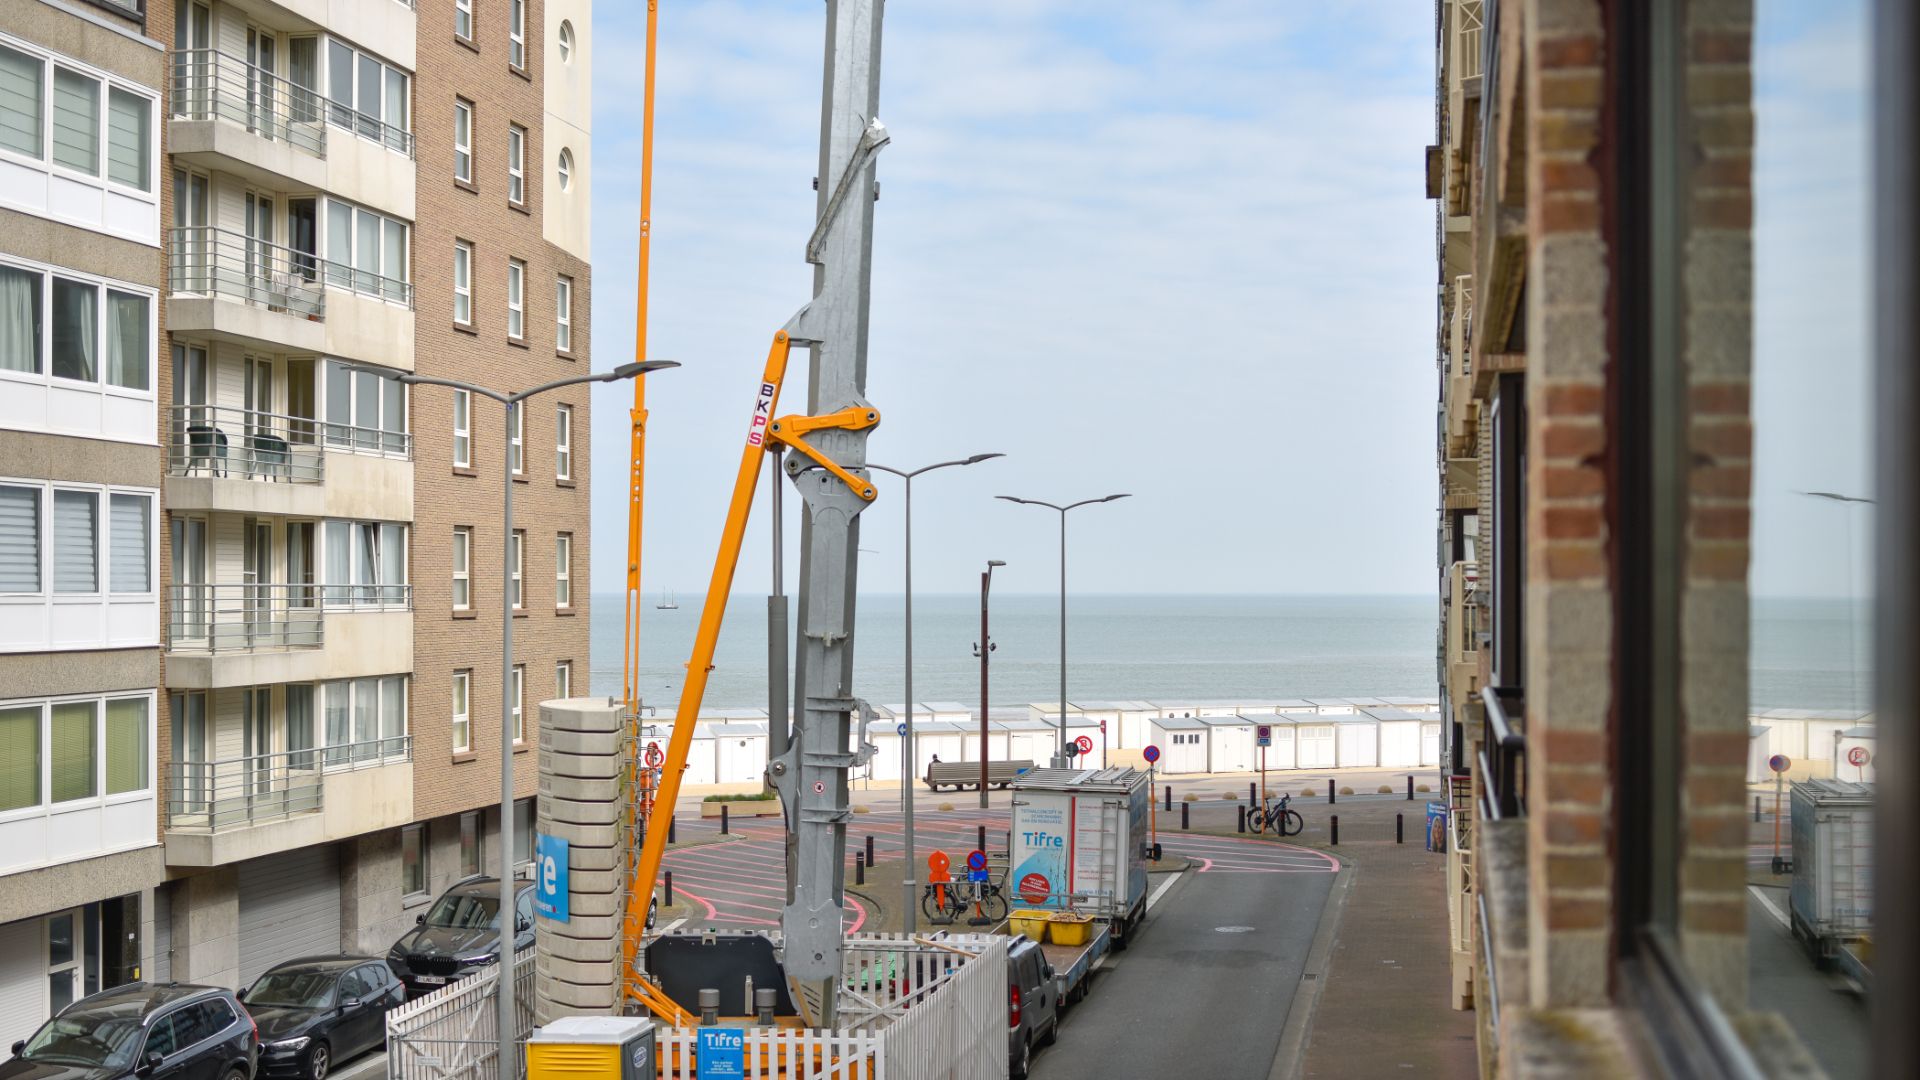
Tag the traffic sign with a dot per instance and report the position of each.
(655, 758)
(938, 862)
(1263, 735)
(1858, 757)
(900, 730)
(551, 889)
(1779, 763)
(1151, 753)
(1103, 725)
(1072, 749)
(976, 859)
(1085, 744)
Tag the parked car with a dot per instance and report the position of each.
(319, 1010)
(167, 1031)
(459, 935)
(1033, 1005)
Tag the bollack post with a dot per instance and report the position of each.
(1253, 794)
(1409, 789)
(1242, 826)
(1169, 798)
(723, 819)
(1334, 822)
(869, 849)
(670, 831)
(980, 837)
(1184, 807)
(667, 885)
(1399, 828)
(859, 868)
(1756, 808)
(1331, 798)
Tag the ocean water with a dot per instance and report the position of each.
(1171, 647)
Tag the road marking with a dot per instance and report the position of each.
(1778, 915)
(1154, 896)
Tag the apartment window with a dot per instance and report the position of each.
(367, 252)
(65, 548)
(413, 861)
(516, 300)
(64, 751)
(516, 164)
(517, 34)
(566, 41)
(463, 283)
(368, 96)
(462, 727)
(463, 18)
(62, 330)
(462, 563)
(130, 529)
(563, 679)
(1509, 529)
(20, 554)
(365, 719)
(463, 140)
(563, 313)
(565, 169)
(470, 853)
(365, 563)
(519, 561)
(563, 443)
(516, 438)
(519, 703)
(92, 120)
(364, 410)
(563, 570)
(462, 429)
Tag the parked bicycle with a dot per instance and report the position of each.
(1276, 816)
(945, 901)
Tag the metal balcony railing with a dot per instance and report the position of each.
(211, 85)
(226, 441)
(1467, 26)
(221, 262)
(243, 618)
(245, 791)
(1503, 754)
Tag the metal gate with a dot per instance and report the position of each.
(289, 907)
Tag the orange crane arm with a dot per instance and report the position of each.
(637, 460)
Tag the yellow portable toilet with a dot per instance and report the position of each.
(602, 1047)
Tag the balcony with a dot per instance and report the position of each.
(221, 812)
(1463, 633)
(230, 635)
(223, 458)
(230, 116)
(234, 287)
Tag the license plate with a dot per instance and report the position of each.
(430, 980)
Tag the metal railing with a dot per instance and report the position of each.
(211, 85)
(243, 618)
(1467, 27)
(227, 441)
(1503, 754)
(221, 262)
(244, 791)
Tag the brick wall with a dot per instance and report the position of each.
(480, 213)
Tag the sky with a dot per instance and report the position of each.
(1180, 251)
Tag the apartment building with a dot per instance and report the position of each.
(81, 280)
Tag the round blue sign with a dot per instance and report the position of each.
(900, 730)
(1151, 753)
(976, 859)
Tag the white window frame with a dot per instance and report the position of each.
(463, 283)
(344, 271)
(462, 562)
(563, 570)
(46, 808)
(517, 34)
(519, 704)
(355, 119)
(517, 299)
(564, 41)
(563, 168)
(350, 594)
(519, 541)
(334, 755)
(39, 607)
(43, 385)
(517, 438)
(562, 313)
(461, 701)
(563, 442)
(463, 8)
(463, 146)
(563, 679)
(362, 434)
(462, 429)
(516, 165)
(34, 198)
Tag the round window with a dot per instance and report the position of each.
(566, 169)
(566, 41)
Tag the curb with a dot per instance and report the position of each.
(1292, 1051)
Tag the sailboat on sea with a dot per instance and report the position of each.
(666, 602)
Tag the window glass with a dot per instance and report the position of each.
(129, 356)
(339, 717)
(76, 542)
(76, 121)
(129, 120)
(130, 567)
(516, 163)
(516, 439)
(563, 314)
(413, 864)
(462, 141)
(393, 712)
(566, 41)
(368, 101)
(517, 35)
(469, 843)
(393, 259)
(463, 283)
(462, 429)
(516, 300)
(162, 1037)
(518, 560)
(519, 702)
(19, 540)
(21, 78)
(462, 581)
(73, 751)
(19, 314)
(340, 83)
(75, 324)
(126, 745)
(19, 757)
(566, 169)
(563, 571)
(463, 18)
(339, 244)
(462, 733)
(563, 679)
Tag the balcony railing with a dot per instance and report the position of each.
(244, 618)
(245, 791)
(211, 85)
(1467, 26)
(1503, 754)
(226, 441)
(221, 262)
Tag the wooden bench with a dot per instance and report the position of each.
(961, 775)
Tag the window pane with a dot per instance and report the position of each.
(131, 565)
(366, 409)
(366, 250)
(75, 324)
(366, 717)
(396, 109)
(393, 260)
(76, 542)
(19, 540)
(339, 244)
(19, 317)
(563, 680)
(340, 82)
(73, 750)
(413, 871)
(126, 745)
(393, 712)
(393, 418)
(339, 404)
(76, 121)
(393, 563)
(128, 354)
(20, 81)
(19, 757)
(339, 537)
(368, 99)
(339, 711)
(128, 135)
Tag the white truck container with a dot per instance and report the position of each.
(1832, 863)
(1080, 843)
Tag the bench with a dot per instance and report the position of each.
(961, 775)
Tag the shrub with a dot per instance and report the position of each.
(1346, 791)
(1308, 793)
(862, 808)
(1190, 797)
(1231, 796)
(757, 796)
(1385, 789)
(1423, 787)
(946, 806)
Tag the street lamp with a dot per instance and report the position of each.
(511, 404)
(1853, 659)
(906, 741)
(1060, 745)
(982, 649)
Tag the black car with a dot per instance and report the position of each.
(459, 935)
(145, 1030)
(318, 1010)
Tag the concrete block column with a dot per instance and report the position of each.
(371, 918)
(206, 928)
(576, 971)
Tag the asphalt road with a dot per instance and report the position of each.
(1189, 999)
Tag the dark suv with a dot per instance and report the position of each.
(143, 1030)
(459, 935)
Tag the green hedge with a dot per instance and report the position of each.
(756, 797)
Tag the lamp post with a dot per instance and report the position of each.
(1847, 503)
(982, 649)
(511, 403)
(906, 741)
(1060, 744)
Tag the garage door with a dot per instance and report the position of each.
(1315, 747)
(289, 907)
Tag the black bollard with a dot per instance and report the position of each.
(1331, 799)
(1184, 807)
(1409, 789)
(1169, 798)
(859, 868)
(1334, 823)
(1399, 828)
(667, 884)
(723, 819)
(1253, 796)
(980, 838)
(1756, 808)
(670, 834)
(1242, 827)
(869, 849)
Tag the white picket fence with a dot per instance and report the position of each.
(908, 1011)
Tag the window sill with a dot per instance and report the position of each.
(467, 186)
(568, 610)
(466, 328)
(518, 342)
(465, 613)
(465, 470)
(520, 206)
(519, 613)
(565, 482)
(467, 43)
(520, 746)
(520, 71)
(461, 757)
(521, 478)
(409, 901)
(565, 354)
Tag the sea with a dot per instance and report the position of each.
(1172, 648)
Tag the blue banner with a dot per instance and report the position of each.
(721, 1053)
(550, 888)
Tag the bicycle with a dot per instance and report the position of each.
(989, 904)
(940, 902)
(1277, 816)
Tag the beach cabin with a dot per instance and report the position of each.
(943, 739)
(1399, 745)
(1824, 728)
(1330, 706)
(1230, 743)
(1027, 739)
(1757, 754)
(1430, 740)
(1313, 740)
(701, 764)
(739, 751)
(1183, 744)
(1413, 704)
(1280, 754)
(1359, 736)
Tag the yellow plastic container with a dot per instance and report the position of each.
(1070, 929)
(1030, 922)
